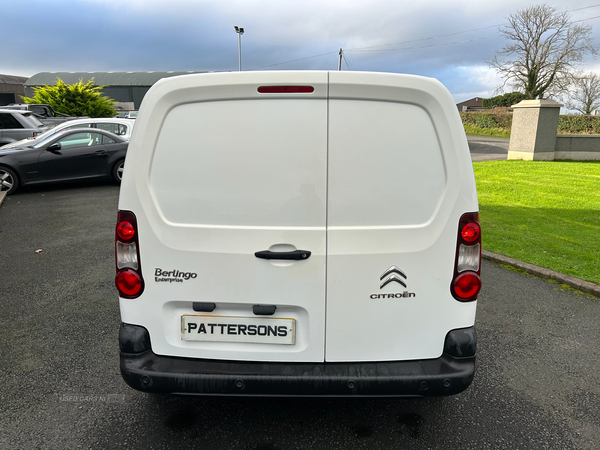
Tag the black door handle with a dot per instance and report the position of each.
(296, 255)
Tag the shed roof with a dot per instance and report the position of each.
(12, 79)
(102, 78)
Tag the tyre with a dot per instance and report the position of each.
(117, 171)
(8, 180)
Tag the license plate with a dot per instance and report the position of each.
(258, 330)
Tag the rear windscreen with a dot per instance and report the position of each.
(33, 120)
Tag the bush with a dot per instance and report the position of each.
(509, 99)
(488, 119)
(74, 99)
(578, 124)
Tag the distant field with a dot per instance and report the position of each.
(544, 213)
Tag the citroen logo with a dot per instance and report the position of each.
(392, 274)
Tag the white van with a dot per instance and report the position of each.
(298, 233)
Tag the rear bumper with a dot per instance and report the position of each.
(446, 375)
(435, 377)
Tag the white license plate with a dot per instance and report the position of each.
(259, 330)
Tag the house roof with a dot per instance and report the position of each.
(102, 78)
(472, 100)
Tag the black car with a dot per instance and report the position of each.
(69, 155)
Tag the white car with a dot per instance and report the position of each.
(120, 127)
(317, 234)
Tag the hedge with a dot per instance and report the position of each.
(567, 124)
(488, 119)
(578, 124)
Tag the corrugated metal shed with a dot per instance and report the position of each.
(11, 89)
(11, 79)
(102, 78)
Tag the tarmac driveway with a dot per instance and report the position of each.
(537, 384)
(484, 148)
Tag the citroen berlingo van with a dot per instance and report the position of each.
(298, 233)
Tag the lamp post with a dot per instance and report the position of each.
(239, 31)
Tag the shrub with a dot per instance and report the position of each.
(509, 99)
(77, 99)
(488, 119)
(578, 124)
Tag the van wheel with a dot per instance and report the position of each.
(117, 172)
(8, 181)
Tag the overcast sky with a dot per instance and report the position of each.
(448, 40)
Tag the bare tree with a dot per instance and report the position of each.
(585, 95)
(544, 49)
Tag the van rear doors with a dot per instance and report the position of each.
(370, 173)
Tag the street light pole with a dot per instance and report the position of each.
(239, 31)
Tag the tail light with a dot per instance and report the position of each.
(129, 280)
(466, 282)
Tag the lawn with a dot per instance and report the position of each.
(543, 213)
(474, 130)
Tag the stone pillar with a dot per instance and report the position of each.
(533, 132)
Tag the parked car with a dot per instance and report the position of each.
(16, 125)
(127, 114)
(45, 113)
(120, 127)
(69, 155)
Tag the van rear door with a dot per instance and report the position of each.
(233, 172)
(398, 181)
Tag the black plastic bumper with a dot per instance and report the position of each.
(446, 375)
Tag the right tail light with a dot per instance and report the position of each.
(129, 281)
(466, 282)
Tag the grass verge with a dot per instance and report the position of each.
(479, 131)
(543, 213)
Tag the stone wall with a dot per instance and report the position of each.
(533, 135)
(577, 147)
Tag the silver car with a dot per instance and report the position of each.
(16, 125)
(120, 127)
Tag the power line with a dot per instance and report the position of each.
(376, 48)
(461, 32)
(342, 54)
(294, 60)
(348, 63)
(427, 46)
(585, 7)
(422, 39)
(589, 18)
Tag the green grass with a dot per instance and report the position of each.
(479, 131)
(544, 213)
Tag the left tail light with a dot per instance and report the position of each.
(466, 282)
(129, 280)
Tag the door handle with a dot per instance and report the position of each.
(296, 255)
(100, 152)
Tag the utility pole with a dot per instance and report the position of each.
(239, 31)
(340, 62)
